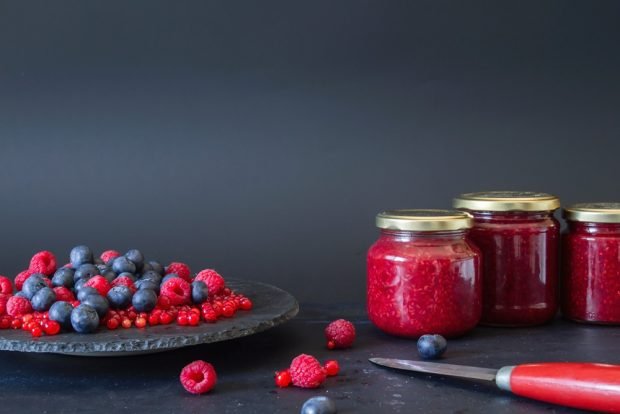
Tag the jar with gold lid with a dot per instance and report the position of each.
(519, 240)
(424, 274)
(591, 263)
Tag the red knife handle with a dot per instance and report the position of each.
(578, 385)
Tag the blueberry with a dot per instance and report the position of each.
(169, 276)
(97, 302)
(80, 255)
(432, 346)
(119, 297)
(63, 277)
(122, 264)
(98, 261)
(152, 275)
(319, 405)
(157, 267)
(43, 299)
(79, 284)
(144, 300)
(33, 284)
(21, 294)
(129, 275)
(147, 284)
(85, 271)
(84, 319)
(109, 275)
(146, 267)
(136, 257)
(200, 291)
(86, 291)
(102, 268)
(61, 313)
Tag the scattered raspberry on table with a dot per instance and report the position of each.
(198, 377)
(340, 334)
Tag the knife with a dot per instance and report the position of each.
(572, 384)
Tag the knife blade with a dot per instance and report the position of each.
(572, 384)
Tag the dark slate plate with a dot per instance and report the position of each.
(272, 306)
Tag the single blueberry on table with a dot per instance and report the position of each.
(200, 291)
(43, 299)
(319, 405)
(63, 277)
(97, 302)
(144, 300)
(80, 255)
(61, 313)
(85, 271)
(122, 264)
(85, 291)
(119, 297)
(84, 319)
(157, 267)
(136, 256)
(147, 284)
(432, 346)
(33, 284)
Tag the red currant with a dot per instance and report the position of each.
(51, 327)
(140, 322)
(283, 378)
(331, 367)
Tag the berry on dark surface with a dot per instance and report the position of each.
(283, 378)
(177, 290)
(214, 281)
(124, 281)
(86, 291)
(79, 284)
(432, 346)
(168, 277)
(120, 297)
(63, 277)
(97, 302)
(157, 267)
(109, 255)
(84, 319)
(43, 262)
(6, 288)
(307, 372)
(17, 305)
(152, 275)
(85, 271)
(137, 258)
(340, 334)
(21, 278)
(123, 265)
(100, 283)
(181, 269)
(319, 405)
(33, 284)
(144, 300)
(80, 255)
(200, 292)
(198, 377)
(63, 293)
(147, 284)
(43, 299)
(109, 275)
(61, 313)
(332, 368)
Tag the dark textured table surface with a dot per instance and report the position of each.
(149, 383)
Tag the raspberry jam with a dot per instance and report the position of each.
(423, 274)
(591, 264)
(519, 240)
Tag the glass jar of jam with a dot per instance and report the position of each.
(519, 240)
(591, 263)
(423, 274)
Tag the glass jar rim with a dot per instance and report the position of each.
(607, 212)
(507, 201)
(424, 220)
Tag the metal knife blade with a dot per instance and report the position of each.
(462, 371)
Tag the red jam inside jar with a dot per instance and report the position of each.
(591, 264)
(519, 240)
(423, 274)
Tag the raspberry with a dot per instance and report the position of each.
(43, 262)
(17, 305)
(331, 368)
(340, 334)
(124, 281)
(307, 372)
(101, 284)
(181, 269)
(3, 300)
(109, 255)
(213, 280)
(21, 278)
(5, 286)
(63, 294)
(198, 377)
(283, 378)
(177, 290)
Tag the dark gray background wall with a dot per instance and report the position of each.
(261, 138)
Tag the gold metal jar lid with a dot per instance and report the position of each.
(594, 212)
(424, 220)
(507, 201)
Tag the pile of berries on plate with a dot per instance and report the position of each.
(112, 291)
